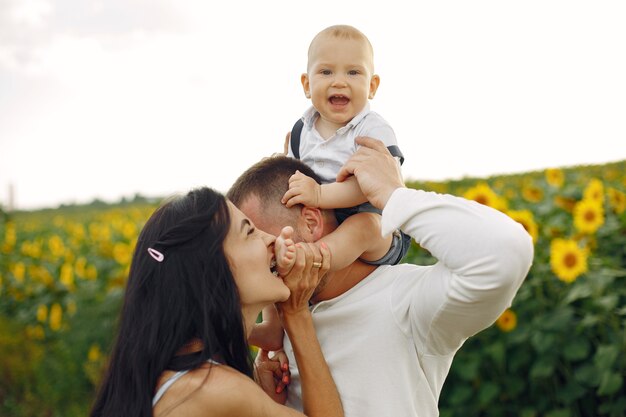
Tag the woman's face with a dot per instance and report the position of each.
(250, 253)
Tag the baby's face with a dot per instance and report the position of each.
(340, 78)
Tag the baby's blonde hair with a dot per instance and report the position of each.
(341, 32)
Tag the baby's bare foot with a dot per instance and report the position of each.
(285, 251)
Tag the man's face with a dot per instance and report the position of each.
(271, 224)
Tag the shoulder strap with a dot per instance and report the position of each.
(395, 151)
(167, 386)
(295, 138)
(296, 131)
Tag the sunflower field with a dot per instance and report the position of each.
(559, 351)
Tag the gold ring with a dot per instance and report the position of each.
(317, 264)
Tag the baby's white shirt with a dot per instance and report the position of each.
(327, 156)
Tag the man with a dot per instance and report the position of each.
(389, 333)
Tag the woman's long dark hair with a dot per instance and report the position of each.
(191, 293)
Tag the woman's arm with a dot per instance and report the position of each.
(241, 396)
(319, 393)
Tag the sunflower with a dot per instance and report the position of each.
(56, 316)
(566, 203)
(35, 332)
(94, 353)
(617, 199)
(483, 194)
(594, 191)
(507, 320)
(42, 313)
(532, 193)
(588, 216)
(567, 259)
(526, 219)
(555, 177)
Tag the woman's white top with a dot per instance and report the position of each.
(163, 389)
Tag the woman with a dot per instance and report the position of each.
(200, 275)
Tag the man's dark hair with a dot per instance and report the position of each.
(268, 180)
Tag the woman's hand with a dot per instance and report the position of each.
(272, 374)
(312, 263)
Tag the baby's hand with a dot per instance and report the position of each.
(302, 190)
(285, 251)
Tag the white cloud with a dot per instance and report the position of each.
(109, 98)
(29, 13)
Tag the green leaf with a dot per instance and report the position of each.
(519, 360)
(528, 412)
(601, 282)
(588, 375)
(590, 320)
(520, 335)
(611, 382)
(577, 350)
(467, 369)
(605, 356)
(608, 302)
(542, 342)
(570, 392)
(614, 273)
(562, 412)
(543, 368)
(559, 319)
(615, 407)
(460, 394)
(488, 392)
(496, 351)
(514, 387)
(582, 290)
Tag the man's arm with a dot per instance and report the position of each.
(483, 257)
(483, 254)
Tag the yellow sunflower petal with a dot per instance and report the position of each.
(567, 259)
(588, 216)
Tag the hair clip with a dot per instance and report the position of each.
(158, 256)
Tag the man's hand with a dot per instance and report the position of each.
(375, 169)
(302, 190)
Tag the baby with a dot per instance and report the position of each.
(340, 80)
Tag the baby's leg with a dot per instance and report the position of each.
(285, 251)
(357, 237)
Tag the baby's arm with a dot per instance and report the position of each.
(357, 237)
(304, 190)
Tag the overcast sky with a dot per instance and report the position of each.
(112, 97)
